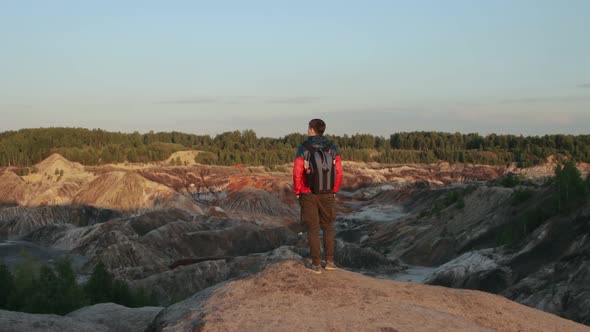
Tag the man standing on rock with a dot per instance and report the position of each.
(317, 175)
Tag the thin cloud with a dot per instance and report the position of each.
(530, 100)
(295, 100)
(241, 99)
(210, 100)
(203, 100)
(584, 86)
(17, 106)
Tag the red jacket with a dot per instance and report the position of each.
(299, 182)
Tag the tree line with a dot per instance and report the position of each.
(26, 147)
(45, 289)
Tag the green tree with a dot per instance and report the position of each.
(132, 156)
(511, 180)
(121, 294)
(206, 158)
(46, 293)
(99, 286)
(6, 285)
(71, 295)
(571, 190)
(102, 287)
(27, 146)
(24, 283)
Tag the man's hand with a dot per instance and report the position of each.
(297, 196)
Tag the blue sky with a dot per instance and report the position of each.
(378, 67)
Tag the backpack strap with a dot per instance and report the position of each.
(309, 147)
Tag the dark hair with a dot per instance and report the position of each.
(318, 125)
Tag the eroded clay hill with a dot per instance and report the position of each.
(245, 193)
(58, 181)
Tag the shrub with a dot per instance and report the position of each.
(519, 229)
(571, 190)
(511, 180)
(520, 196)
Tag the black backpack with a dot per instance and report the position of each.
(319, 171)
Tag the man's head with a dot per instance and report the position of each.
(316, 127)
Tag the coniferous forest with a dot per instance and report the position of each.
(54, 289)
(26, 147)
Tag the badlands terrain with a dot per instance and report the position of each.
(199, 236)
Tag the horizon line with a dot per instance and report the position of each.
(327, 134)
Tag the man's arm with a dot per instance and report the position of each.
(339, 174)
(298, 166)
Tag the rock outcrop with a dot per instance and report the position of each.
(437, 231)
(139, 246)
(288, 297)
(183, 281)
(98, 317)
(11, 321)
(458, 229)
(18, 221)
(481, 269)
(117, 317)
(548, 269)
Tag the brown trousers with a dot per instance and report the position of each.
(317, 210)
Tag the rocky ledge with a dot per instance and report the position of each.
(288, 296)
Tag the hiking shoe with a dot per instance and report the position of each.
(330, 266)
(317, 269)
